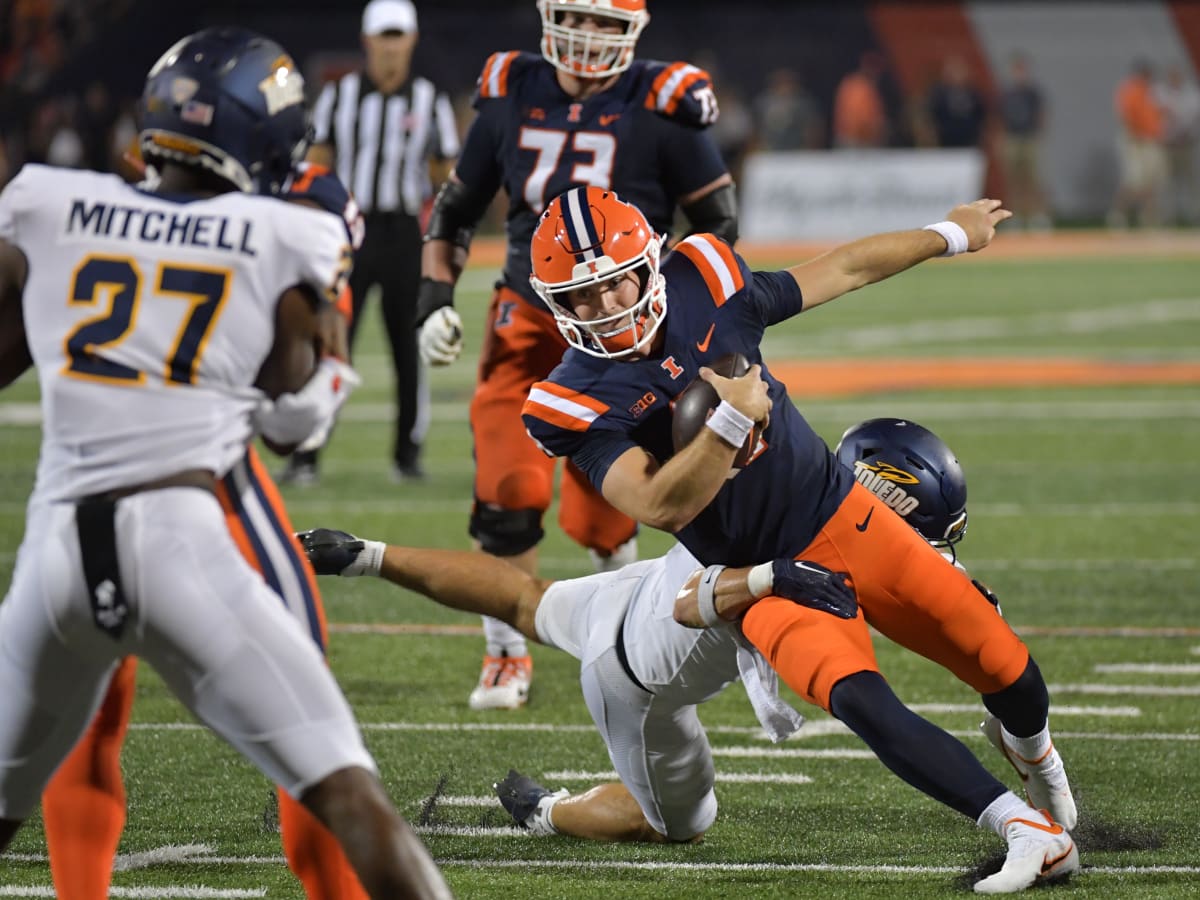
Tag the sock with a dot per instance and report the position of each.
(314, 855)
(620, 557)
(1005, 807)
(1032, 749)
(540, 822)
(83, 806)
(1024, 705)
(502, 639)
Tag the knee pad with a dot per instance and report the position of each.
(506, 532)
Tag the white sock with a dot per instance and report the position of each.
(540, 823)
(1007, 806)
(1033, 748)
(502, 639)
(622, 556)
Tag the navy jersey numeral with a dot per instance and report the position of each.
(116, 282)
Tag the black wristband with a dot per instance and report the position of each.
(431, 296)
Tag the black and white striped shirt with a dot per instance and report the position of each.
(382, 144)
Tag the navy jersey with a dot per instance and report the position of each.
(594, 410)
(644, 137)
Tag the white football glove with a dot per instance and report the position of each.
(306, 417)
(441, 337)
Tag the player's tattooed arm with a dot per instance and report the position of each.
(15, 357)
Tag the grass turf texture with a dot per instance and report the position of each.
(1084, 506)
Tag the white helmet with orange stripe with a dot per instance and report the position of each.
(605, 48)
(589, 244)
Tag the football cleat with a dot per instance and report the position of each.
(528, 802)
(503, 683)
(1044, 779)
(1038, 849)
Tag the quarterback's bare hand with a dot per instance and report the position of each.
(747, 394)
(441, 337)
(333, 552)
(979, 220)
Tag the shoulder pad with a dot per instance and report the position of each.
(318, 186)
(716, 263)
(682, 92)
(501, 71)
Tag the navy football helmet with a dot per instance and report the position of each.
(229, 101)
(911, 470)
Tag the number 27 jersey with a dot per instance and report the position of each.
(149, 318)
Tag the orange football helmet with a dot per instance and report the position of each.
(588, 236)
(587, 53)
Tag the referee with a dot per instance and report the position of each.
(382, 131)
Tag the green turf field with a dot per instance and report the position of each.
(1085, 511)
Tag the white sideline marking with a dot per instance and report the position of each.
(1196, 651)
(1151, 668)
(1123, 711)
(722, 777)
(787, 753)
(174, 853)
(505, 831)
(1144, 690)
(164, 892)
(778, 867)
(460, 801)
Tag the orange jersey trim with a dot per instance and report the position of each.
(494, 80)
(716, 264)
(562, 407)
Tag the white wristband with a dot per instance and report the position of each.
(706, 596)
(956, 238)
(369, 561)
(760, 581)
(730, 425)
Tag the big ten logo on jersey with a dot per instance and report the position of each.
(884, 481)
(642, 404)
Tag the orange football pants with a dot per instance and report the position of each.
(83, 806)
(906, 590)
(521, 346)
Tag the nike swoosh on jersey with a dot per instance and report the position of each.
(862, 526)
(702, 346)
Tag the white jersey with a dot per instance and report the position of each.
(149, 318)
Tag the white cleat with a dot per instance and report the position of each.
(1044, 779)
(503, 683)
(1038, 848)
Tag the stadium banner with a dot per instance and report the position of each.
(821, 194)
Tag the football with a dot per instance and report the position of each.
(697, 402)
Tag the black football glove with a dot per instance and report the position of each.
(811, 584)
(334, 552)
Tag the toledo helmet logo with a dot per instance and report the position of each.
(884, 482)
(284, 87)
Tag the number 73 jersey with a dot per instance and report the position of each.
(149, 318)
(645, 136)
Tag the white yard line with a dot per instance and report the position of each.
(18, 413)
(1150, 668)
(1137, 690)
(722, 778)
(165, 892)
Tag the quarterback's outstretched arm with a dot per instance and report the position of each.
(871, 259)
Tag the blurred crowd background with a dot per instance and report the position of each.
(1081, 113)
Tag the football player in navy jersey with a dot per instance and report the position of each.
(583, 112)
(641, 327)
